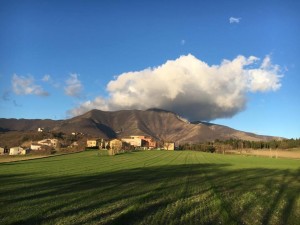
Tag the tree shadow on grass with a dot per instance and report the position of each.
(174, 194)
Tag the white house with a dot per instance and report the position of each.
(1, 151)
(40, 129)
(135, 141)
(169, 146)
(17, 151)
(90, 143)
(35, 147)
(49, 142)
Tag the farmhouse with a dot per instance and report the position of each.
(135, 141)
(140, 141)
(149, 142)
(169, 146)
(49, 142)
(91, 143)
(17, 151)
(40, 129)
(4, 150)
(35, 147)
(101, 143)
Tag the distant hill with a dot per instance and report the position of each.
(157, 123)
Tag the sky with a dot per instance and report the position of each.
(234, 63)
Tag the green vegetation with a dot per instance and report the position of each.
(150, 187)
(274, 144)
(237, 144)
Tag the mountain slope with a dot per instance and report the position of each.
(159, 124)
(27, 124)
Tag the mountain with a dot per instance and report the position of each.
(26, 124)
(157, 123)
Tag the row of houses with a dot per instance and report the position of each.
(14, 151)
(126, 143)
(141, 142)
(34, 146)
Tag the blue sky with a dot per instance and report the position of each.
(59, 58)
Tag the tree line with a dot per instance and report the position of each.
(235, 144)
(273, 144)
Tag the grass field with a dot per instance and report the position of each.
(150, 187)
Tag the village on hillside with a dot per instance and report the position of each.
(133, 142)
(80, 142)
(45, 142)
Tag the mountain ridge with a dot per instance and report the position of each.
(158, 123)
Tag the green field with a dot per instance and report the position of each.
(150, 187)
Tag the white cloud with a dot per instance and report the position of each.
(190, 87)
(46, 78)
(97, 103)
(182, 42)
(73, 86)
(25, 86)
(265, 77)
(234, 20)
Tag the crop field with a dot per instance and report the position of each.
(150, 187)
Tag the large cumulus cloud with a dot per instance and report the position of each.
(190, 87)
